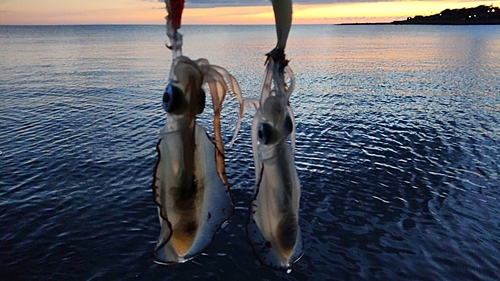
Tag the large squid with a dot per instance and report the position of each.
(190, 187)
(273, 224)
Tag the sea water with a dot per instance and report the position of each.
(397, 151)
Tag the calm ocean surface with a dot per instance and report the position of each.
(398, 151)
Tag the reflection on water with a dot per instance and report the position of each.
(397, 151)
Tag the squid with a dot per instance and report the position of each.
(273, 223)
(190, 187)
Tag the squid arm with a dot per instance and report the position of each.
(220, 82)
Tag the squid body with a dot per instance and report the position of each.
(190, 186)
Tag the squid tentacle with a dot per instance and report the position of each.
(218, 80)
(221, 75)
(291, 86)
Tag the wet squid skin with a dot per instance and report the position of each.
(191, 210)
(189, 189)
(275, 211)
(273, 225)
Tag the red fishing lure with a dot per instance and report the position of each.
(177, 8)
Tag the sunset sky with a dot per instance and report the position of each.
(35, 12)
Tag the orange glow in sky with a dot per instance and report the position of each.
(153, 12)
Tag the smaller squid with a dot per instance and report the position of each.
(190, 187)
(273, 223)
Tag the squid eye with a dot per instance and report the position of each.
(288, 125)
(265, 133)
(201, 102)
(172, 98)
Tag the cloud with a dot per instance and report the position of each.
(246, 3)
(220, 3)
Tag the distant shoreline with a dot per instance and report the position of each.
(480, 15)
(421, 23)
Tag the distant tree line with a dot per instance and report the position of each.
(478, 15)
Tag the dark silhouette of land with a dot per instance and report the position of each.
(478, 15)
(466, 16)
